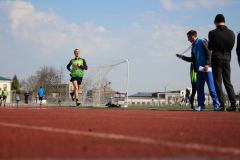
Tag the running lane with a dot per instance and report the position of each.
(84, 133)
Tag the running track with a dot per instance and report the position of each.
(74, 133)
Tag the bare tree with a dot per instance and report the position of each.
(46, 77)
(30, 84)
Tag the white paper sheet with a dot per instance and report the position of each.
(201, 68)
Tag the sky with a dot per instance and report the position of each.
(35, 33)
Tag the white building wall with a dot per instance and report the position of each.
(8, 85)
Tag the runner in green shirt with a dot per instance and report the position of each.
(0, 96)
(77, 72)
(5, 94)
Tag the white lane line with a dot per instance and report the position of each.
(209, 148)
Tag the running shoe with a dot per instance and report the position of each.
(200, 108)
(220, 109)
(216, 108)
(78, 103)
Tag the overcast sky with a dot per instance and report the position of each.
(147, 32)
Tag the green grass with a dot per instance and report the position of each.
(162, 108)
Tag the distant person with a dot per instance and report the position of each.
(202, 58)
(187, 95)
(77, 72)
(238, 48)
(183, 97)
(5, 94)
(59, 101)
(221, 42)
(26, 98)
(17, 99)
(0, 96)
(41, 92)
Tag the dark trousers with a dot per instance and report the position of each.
(194, 90)
(222, 72)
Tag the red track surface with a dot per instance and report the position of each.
(85, 133)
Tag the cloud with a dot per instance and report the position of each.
(192, 4)
(100, 29)
(135, 25)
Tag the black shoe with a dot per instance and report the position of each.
(192, 107)
(222, 107)
(78, 103)
(232, 109)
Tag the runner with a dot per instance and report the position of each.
(17, 99)
(77, 71)
(0, 96)
(41, 92)
(26, 98)
(5, 94)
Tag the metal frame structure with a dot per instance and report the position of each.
(90, 82)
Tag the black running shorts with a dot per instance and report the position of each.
(4, 97)
(40, 98)
(78, 79)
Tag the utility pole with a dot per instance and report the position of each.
(166, 88)
(165, 92)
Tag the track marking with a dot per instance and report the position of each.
(235, 151)
(162, 117)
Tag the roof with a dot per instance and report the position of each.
(5, 79)
(141, 95)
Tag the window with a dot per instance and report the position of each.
(148, 103)
(143, 103)
(4, 85)
(133, 102)
(138, 103)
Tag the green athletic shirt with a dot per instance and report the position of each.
(4, 93)
(77, 71)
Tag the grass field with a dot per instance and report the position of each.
(163, 108)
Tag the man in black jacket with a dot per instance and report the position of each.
(221, 42)
(238, 48)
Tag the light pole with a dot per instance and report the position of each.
(36, 98)
(166, 88)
